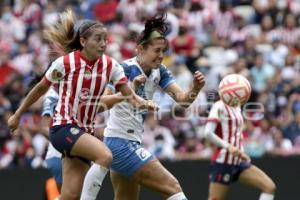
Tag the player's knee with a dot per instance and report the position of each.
(270, 188)
(70, 195)
(104, 159)
(174, 186)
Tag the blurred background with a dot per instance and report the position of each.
(259, 39)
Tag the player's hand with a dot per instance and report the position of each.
(13, 122)
(245, 157)
(137, 81)
(199, 80)
(233, 150)
(151, 106)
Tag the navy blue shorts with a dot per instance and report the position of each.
(63, 138)
(128, 156)
(226, 174)
(54, 165)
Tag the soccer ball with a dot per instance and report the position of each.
(234, 90)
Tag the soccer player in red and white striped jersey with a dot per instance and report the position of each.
(229, 122)
(82, 86)
(229, 162)
(81, 76)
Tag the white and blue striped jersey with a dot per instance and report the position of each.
(49, 102)
(125, 121)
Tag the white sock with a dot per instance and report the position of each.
(178, 196)
(92, 182)
(266, 196)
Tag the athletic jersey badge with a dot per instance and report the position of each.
(226, 178)
(74, 131)
(87, 74)
(56, 75)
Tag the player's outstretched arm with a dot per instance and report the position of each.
(39, 90)
(136, 100)
(109, 99)
(185, 99)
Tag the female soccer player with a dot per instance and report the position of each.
(53, 157)
(81, 76)
(132, 164)
(229, 163)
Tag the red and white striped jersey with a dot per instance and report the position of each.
(80, 86)
(229, 128)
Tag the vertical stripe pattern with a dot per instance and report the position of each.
(81, 89)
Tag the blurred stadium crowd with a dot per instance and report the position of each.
(259, 39)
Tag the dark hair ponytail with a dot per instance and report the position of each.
(155, 28)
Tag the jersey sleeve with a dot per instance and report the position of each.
(127, 69)
(166, 77)
(49, 103)
(118, 77)
(56, 72)
(215, 113)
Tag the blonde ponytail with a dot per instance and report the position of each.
(62, 34)
(63, 38)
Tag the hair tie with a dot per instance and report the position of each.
(153, 35)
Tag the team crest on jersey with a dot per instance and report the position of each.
(88, 74)
(74, 131)
(226, 178)
(56, 75)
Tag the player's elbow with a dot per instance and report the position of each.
(206, 134)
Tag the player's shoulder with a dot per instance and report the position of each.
(163, 68)
(131, 63)
(164, 71)
(59, 60)
(131, 67)
(108, 59)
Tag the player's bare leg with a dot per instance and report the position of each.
(256, 178)
(74, 171)
(217, 191)
(155, 177)
(89, 147)
(124, 188)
